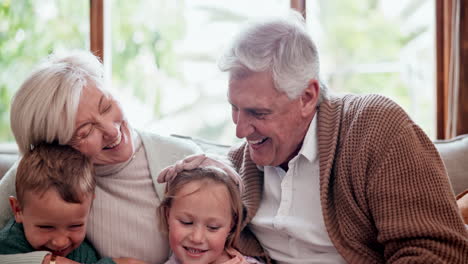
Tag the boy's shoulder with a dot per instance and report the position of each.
(12, 239)
(86, 253)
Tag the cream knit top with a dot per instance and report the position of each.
(123, 220)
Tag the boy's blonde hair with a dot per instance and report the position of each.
(63, 168)
(205, 175)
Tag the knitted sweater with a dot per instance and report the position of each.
(160, 151)
(384, 191)
(13, 241)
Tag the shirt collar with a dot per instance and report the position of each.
(309, 146)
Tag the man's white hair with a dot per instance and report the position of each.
(279, 45)
(44, 108)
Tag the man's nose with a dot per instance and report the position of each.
(244, 125)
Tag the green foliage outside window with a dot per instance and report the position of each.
(29, 31)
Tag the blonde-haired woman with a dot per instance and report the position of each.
(64, 100)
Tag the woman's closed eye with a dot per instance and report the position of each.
(107, 108)
(84, 131)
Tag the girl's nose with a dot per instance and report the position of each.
(197, 235)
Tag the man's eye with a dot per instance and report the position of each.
(259, 115)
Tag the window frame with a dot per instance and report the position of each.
(443, 49)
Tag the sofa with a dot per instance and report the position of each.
(454, 153)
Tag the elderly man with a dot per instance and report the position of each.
(331, 179)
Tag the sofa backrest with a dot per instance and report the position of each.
(454, 153)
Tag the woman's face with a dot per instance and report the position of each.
(101, 131)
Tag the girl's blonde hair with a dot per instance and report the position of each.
(205, 175)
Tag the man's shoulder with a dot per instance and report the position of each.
(84, 253)
(367, 102)
(237, 152)
(371, 109)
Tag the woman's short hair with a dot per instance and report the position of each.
(206, 175)
(280, 45)
(45, 106)
(53, 166)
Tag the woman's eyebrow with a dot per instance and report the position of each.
(100, 101)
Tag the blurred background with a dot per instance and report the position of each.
(161, 54)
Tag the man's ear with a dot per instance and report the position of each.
(309, 98)
(16, 209)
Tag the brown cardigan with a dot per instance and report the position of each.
(384, 190)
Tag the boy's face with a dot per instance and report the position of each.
(50, 223)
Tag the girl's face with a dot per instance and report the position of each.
(199, 222)
(101, 132)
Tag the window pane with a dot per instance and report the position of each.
(164, 55)
(30, 30)
(379, 46)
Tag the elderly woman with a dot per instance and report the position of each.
(64, 100)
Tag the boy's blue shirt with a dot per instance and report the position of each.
(13, 241)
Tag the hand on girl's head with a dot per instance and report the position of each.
(189, 163)
(199, 161)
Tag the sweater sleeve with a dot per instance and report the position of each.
(35, 257)
(413, 205)
(7, 189)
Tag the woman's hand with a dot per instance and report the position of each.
(128, 261)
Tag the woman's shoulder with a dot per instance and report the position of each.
(153, 141)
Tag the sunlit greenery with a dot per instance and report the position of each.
(368, 48)
(29, 31)
(169, 79)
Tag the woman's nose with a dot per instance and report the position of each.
(110, 130)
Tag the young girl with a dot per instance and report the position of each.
(202, 211)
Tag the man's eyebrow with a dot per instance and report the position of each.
(254, 109)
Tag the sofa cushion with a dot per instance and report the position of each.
(454, 153)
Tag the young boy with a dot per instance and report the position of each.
(54, 192)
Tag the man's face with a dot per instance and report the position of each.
(273, 125)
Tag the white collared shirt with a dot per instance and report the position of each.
(289, 222)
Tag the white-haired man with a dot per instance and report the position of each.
(331, 179)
